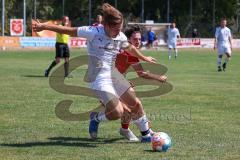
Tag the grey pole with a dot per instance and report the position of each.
(35, 9)
(3, 17)
(191, 5)
(238, 13)
(115, 3)
(24, 18)
(142, 11)
(213, 20)
(63, 5)
(89, 12)
(168, 10)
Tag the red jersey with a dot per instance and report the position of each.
(124, 60)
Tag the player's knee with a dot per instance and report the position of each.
(137, 106)
(220, 56)
(115, 114)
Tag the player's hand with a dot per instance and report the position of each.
(163, 78)
(37, 26)
(150, 59)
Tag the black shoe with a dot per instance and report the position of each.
(219, 69)
(224, 66)
(46, 73)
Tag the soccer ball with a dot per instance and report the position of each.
(161, 141)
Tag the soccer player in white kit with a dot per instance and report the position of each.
(173, 35)
(104, 43)
(223, 42)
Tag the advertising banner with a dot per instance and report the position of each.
(77, 42)
(37, 42)
(9, 42)
(189, 43)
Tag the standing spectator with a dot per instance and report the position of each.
(98, 21)
(151, 38)
(195, 33)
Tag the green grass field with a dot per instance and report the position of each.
(201, 114)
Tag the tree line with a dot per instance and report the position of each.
(201, 15)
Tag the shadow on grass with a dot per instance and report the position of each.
(68, 142)
(96, 141)
(152, 151)
(56, 143)
(42, 76)
(33, 76)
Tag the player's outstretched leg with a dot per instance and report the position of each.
(138, 115)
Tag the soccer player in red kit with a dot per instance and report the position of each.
(123, 62)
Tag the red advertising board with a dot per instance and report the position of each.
(189, 42)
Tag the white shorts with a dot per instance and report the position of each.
(110, 84)
(172, 45)
(224, 49)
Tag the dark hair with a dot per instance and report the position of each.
(132, 29)
(111, 15)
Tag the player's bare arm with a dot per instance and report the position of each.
(37, 27)
(134, 51)
(148, 75)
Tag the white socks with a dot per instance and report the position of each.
(142, 124)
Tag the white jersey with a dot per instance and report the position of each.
(173, 34)
(222, 35)
(100, 45)
(104, 78)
